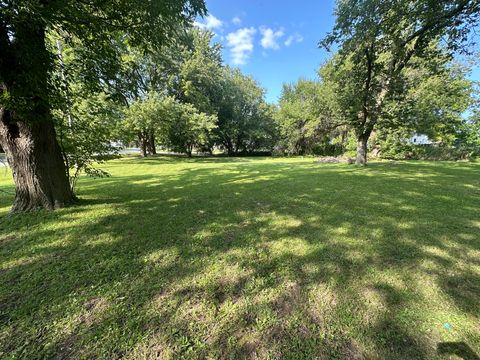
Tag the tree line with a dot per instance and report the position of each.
(76, 78)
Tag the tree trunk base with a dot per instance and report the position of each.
(37, 165)
(361, 159)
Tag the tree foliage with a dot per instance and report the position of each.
(308, 115)
(245, 120)
(379, 40)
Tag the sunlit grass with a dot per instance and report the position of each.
(247, 258)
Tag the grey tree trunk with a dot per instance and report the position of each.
(142, 140)
(152, 149)
(362, 142)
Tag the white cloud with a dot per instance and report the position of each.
(211, 23)
(297, 38)
(236, 20)
(270, 37)
(240, 43)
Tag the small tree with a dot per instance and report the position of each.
(187, 128)
(85, 134)
(145, 118)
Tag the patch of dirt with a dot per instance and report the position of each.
(334, 160)
(349, 349)
(289, 300)
(94, 308)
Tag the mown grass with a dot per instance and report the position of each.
(248, 258)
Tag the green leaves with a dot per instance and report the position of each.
(178, 126)
(308, 112)
(380, 41)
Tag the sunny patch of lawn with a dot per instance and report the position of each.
(247, 258)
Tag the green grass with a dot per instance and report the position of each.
(247, 258)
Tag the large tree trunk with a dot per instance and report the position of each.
(37, 165)
(27, 132)
(362, 142)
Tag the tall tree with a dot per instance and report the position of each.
(243, 115)
(27, 132)
(378, 40)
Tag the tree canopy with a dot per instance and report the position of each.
(379, 40)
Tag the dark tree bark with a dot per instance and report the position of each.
(229, 146)
(27, 133)
(37, 165)
(151, 143)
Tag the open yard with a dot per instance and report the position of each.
(247, 258)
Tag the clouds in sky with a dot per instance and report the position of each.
(296, 38)
(270, 37)
(240, 43)
(210, 23)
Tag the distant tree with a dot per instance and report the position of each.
(307, 115)
(468, 138)
(187, 128)
(378, 40)
(243, 116)
(27, 132)
(146, 117)
(142, 72)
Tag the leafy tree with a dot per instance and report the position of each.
(200, 72)
(187, 128)
(143, 117)
(434, 103)
(85, 134)
(27, 132)
(468, 138)
(180, 127)
(378, 41)
(85, 121)
(307, 115)
(243, 116)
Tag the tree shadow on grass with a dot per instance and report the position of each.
(460, 349)
(253, 261)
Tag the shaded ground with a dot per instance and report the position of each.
(248, 258)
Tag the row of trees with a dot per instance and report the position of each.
(180, 96)
(315, 116)
(75, 76)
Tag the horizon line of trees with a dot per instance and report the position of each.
(75, 76)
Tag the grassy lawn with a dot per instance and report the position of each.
(248, 258)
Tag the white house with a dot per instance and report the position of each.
(420, 139)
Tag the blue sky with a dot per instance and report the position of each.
(274, 41)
